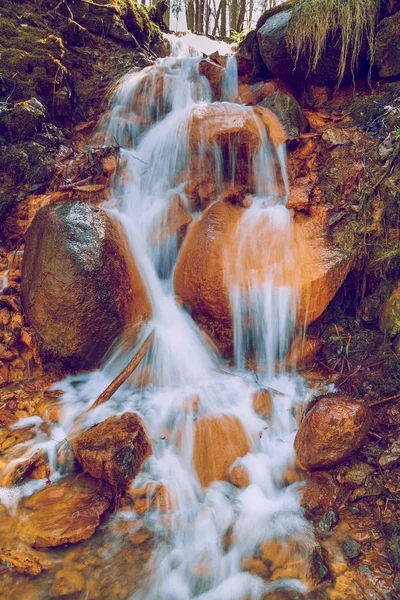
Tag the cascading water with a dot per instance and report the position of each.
(207, 531)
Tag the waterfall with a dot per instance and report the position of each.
(206, 533)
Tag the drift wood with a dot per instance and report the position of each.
(123, 376)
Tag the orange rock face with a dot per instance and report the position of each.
(113, 450)
(331, 431)
(218, 442)
(80, 285)
(63, 514)
(219, 253)
(230, 126)
(303, 352)
(215, 74)
(263, 403)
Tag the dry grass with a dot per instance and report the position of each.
(313, 22)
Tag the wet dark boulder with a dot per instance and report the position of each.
(113, 450)
(282, 63)
(387, 53)
(81, 289)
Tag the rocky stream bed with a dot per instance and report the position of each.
(182, 482)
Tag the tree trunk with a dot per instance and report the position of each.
(233, 15)
(189, 5)
(223, 18)
(241, 16)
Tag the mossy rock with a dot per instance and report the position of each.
(24, 120)
(389, 315)
(387, 54)
(288, 111)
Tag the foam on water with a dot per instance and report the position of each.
(192, 558)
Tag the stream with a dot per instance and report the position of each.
(198, 407)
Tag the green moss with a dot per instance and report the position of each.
(315, 22)
(30, 61)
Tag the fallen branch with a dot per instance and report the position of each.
(123, 376)
(377, 402)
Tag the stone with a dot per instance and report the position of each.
(327, 522)
(356, 474)
(218, 442)
(351, 548)
(63, 514)
(390, 456)
(239, 476)
(248, 57)
(331, 432)
(285, 106)
(319, 568)
(24, 120)
(215, 74)
(303, 352)
(80, 286)
(175, 221)
(113, 450)
(230, 126)
(263, 403)
(387, 47)
(67, 581)
(209, 263)
(24, 560)
(281, 63)
(389, 314)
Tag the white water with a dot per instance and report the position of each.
(190, 559)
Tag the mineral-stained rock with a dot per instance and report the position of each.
(239, 476)
(331, 431)
(263, 403)
(218, 442)
(113, 450)
(67, 582)
(215, 74)
(209, 264)
(303, 352)
(80, 286)
(62, 514)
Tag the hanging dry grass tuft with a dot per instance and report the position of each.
(314, 21)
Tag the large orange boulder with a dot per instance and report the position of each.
(63, 514)
(80, 285)
(223, 250)
(218, 442)
(113, 450)
(230, 128)
(331, 431)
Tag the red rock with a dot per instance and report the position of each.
(331, 431)
(218, 442)
(215, 74)
(239, 476)
(175, 222)
(263, 403)
(113, 450)
(303, 352)
(209, 259)
(63, 514)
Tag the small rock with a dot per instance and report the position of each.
(331, 431)
(63, 514)
(288, 111)
(336, 137)
(113, 450)
(351, 548)
(67, 582)
(218, 442)
(239, 476)
(318, 564)
(328, 521)
(390, 456)
(263, 403)
(356, 474)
